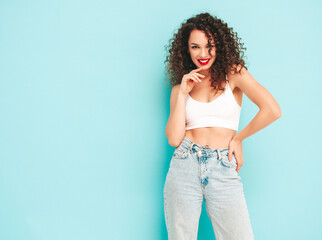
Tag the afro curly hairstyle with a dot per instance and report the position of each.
(229, 50)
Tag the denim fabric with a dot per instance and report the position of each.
(198, 172)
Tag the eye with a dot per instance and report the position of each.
(208, 46)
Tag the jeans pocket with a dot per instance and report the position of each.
(180, 160)
(180, 153)
(231, 164)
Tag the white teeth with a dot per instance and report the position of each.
(203, 61)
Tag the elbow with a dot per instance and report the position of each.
(273, 112)
(173, 143)
(175, 136)
(277, 112)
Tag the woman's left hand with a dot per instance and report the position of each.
(236, 148)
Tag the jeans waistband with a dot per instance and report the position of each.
(203, 150)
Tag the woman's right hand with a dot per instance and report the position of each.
(189, 80)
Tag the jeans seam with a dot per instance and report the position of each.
(166, 213)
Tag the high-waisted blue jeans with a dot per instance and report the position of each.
(198, 172)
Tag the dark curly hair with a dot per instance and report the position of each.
(229, 54)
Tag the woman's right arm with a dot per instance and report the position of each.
(175, 129)
(176, 126)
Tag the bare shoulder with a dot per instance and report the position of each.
(235, 72)
(257, 93)
(240, 78)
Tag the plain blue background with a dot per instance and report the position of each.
(84, 104)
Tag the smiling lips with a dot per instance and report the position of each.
(204, 61)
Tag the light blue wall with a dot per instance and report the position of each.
(84, 105)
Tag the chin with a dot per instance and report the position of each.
(206, 67)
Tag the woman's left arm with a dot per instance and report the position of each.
(268, 113)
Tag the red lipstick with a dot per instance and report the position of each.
(204, 62)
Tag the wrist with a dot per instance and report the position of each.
(237, 138)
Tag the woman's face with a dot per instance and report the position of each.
(198, 49)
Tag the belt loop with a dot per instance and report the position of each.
(219, 154)
(190, 147)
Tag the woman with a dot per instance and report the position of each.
(209, 77)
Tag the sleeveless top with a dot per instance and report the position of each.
(224, 111)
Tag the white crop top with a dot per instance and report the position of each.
(224, 111)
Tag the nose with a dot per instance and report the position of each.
(204, 53)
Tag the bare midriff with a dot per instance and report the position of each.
(213, 137)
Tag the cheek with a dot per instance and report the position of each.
(192, 54)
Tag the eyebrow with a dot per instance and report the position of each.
(198, 44)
